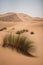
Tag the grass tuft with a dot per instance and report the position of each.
(22, 31)
(20, 43)
(8, 41)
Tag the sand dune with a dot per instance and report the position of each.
(11, 57)
(38, 19)
(10, 17)
(15, 17)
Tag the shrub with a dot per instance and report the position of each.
(19, 42)
(4, 28)
(21, 31)
(18, 32)
(26, 30)
(32, 33)
(24, 46)
(5, 41)
(8, 41)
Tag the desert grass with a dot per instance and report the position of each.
(18, 32)
(31, 33)
(4, 28)
(20, 43)
(25, 46)
(8, 40)
(22, 31)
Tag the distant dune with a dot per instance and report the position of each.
(17, 17)
(10, 17)
(38, 19)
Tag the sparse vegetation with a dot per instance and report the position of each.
(22, 31)
(8, 41)
(32, 33)
(18, 32)
(4, 28)
(19, 42)
(26, 30)
(25, 46)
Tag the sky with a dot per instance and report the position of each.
(33, 8)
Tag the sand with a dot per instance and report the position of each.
(11, 57)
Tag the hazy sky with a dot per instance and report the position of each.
(31, 7)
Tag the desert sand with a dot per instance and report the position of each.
(11, 57)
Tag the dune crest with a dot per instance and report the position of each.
(17, 17)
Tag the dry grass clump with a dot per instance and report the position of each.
(25, 46)
(31, 33)
(22, 31)
(18, 32)
(4, 28)
(18, 42)
(8, 40)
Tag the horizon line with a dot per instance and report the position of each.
(20, 13)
